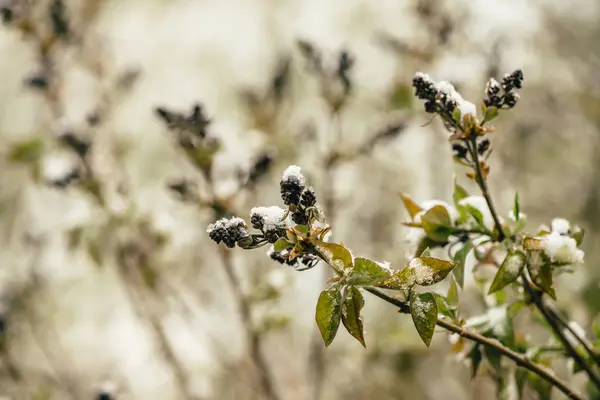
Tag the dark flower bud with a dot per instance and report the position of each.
(492, 88)
(299, 218)
(493, 101)
(260, 168)
(513, 80)
(59, 18)
(511, 99)
(309, 198)
(274, 235)
(430, 107)
(483, 146)
(228, 231)
(460, 151)
(282, 257)
(79, 146)
(257, 221)
(103, 395)
(424, 87)
(292, 185)
(310, 260)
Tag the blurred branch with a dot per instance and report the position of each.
(253, 336)
(145, 312)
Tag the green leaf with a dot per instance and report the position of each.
(475, 213)
(425, 253)
(516, 207)
(437, 223)
(452, 296)
(456, 114)
(353, 304)
(578, 233)
(429, 270)
(367, 272)
(328, 315)
(459, 258)
(493, 356)
(459, 193)
(424, 311)
(509, 270)
(282, 244)
(26, 151)
(334, 254)
(301, 228)
(539, 385)
(491, 113)
(521, 380)
(476, 357)
(444, 306)
(545, 280)
(412, 207)
(401, 280)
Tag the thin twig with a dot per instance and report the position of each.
(584, 343)
(137, 293)
(534, 294)
(538, 300)
(472, 146)
(520, 359)
(253, 336)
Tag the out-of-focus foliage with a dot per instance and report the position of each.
(109, 285)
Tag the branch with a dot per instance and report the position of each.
(482, 183)
(520, 359)
(535, 295)
(556, 315)
(538, 300)
(254, 339)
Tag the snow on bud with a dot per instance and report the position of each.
(560, 225)
(562, 249)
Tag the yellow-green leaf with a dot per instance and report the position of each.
(509, 270)
(437, 223)
(282, 244)
(459, 193)
(328, 313)
(367, 272)
(578, 233)
(491, 113)
(424, 311)
(429, 270)
(351, 308)
(452, 296)
(531, 243)
(335, 254)
(444, 306)
(401, 280)
(460, 258)
(412, 207)
(29, 150)
(546, 281)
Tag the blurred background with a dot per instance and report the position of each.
(110, 287)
